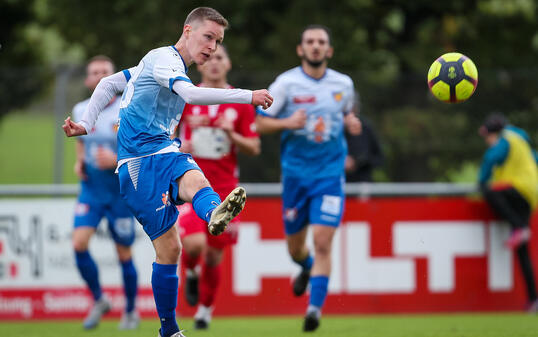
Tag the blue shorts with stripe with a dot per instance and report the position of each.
(317, 201)
(149, 186)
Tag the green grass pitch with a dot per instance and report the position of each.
(451, 325)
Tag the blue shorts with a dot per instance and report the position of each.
(312, 201)
(149, 187)
(90, 210)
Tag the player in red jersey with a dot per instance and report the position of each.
(213, 135)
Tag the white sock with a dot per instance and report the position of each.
(315, 309)
(204, 313)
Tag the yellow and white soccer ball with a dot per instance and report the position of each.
(452, 78)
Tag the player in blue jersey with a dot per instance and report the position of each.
(100, 197)
(312, 105)
(154, 175)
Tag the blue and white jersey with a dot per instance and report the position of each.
(150, 110)
(102, 186)
(103, 134)
(319, 149)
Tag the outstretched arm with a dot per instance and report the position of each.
(207, 96)
(105, 91)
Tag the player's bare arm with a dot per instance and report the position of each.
(262, 98)
(269, 124)
(105, 158)
(353, 124)
(248, 145)
(73, 129)
(79, 168)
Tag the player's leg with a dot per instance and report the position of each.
(145, 185)
(526, 268)
(164, 279)
(295, 205)
(209, 283)
(321, 271)
(193, 187)
(122, 229)
(192, 232)
(325, 214)
(301, 256)
(193, 246)
(521, 245)
(211, 271)
(506, 203)
(130, 318)
(87, 217)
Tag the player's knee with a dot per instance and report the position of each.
(169, 254)
(124, 253)
(193, 250)
(322, 247)
(213, 257)
(201, 182)
(80, 244)
(296, 252)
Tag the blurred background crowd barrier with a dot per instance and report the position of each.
(402, 248)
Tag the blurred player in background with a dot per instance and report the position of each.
(509, 181)
(213, 135)
(154, 175)
(312, 105)
(100, 197)
(364, 151)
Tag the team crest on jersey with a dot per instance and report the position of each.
(115, 127)
(338, 96)
(301, 99)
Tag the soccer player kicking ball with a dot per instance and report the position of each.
(213, 134)
(312, 106)
(154, 175)
(100, 197)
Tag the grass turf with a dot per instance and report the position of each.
(27, 150)
(452, 325)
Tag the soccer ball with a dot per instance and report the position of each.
(452, 78)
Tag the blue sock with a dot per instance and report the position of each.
(164, 281)
(306, 263)
(130, 279)
(318, 289)
(204, 202)
(88, 270)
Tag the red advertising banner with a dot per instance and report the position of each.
(390, 255)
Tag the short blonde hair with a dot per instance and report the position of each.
(206, 13)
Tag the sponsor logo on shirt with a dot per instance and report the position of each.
(301, 99)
